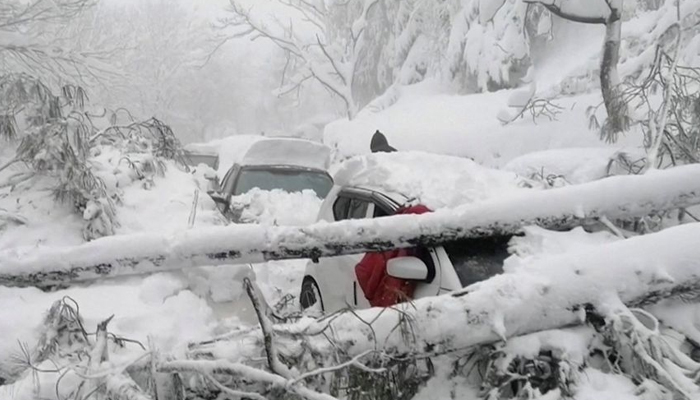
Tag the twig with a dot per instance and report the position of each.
(9, 163)
(354, 362)
(193, 210)
(237, 369)
(230, 391)
(614, 229)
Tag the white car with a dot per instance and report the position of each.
(330, 283)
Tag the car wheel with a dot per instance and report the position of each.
(310, 295)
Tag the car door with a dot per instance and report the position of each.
(338, 273)
(352, 205)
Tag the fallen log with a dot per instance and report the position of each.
(612, 198)
(545, 294)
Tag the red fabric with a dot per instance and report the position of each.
(379, 288)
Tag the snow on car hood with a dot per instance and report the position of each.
(438, 181)
(288, 151)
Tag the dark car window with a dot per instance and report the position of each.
(380, 211)
(346, 207)
(229, 180)
(194, 159)
(477, 259)
(289, 180)
(340, 208)
(358, 209)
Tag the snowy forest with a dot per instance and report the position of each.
(349, 199)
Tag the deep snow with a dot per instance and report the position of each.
(177, 307)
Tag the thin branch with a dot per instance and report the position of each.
(354, 362)
(332, 61)
(556, 10)
(230, 391)
(240, 370)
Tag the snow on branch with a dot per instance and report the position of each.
(319, 54)
(586, 11)
(614, 197)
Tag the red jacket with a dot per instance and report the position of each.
(381, 289)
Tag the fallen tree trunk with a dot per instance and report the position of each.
(548, 293)
(597, 284)
(615, 197)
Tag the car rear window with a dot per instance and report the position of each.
(194, 160)
(477, 259)
(289, 180)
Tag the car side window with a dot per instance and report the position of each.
(380, 211)
(346, 207)
(340, 208)
(357, 209)
(229, 179)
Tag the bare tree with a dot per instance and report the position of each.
(608, 13)
(39, 38)
(319, 50)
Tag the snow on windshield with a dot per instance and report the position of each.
(277, 207)
(287, 179)
(438, 181)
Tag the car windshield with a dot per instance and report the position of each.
(287, 179)
(477, 259)
(194, 159)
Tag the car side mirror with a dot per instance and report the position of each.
(218, 198)
(407, 268)
(213, 187)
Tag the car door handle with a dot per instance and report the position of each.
(354, 292)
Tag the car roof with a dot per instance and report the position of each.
(288, 151)
(201, 149)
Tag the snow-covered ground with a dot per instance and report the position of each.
(486, 160)
(170, 308)
(429, 117)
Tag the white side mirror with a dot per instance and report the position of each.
(407, 268)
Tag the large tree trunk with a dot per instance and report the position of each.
(615, 197)
(548, 293)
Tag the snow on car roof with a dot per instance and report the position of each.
(437, 181)
(288, 151)
(201, 148)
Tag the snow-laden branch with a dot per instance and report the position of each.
(614, 197)
(586, 12)
(212, 367)
(330, 63)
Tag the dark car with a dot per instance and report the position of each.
(291, 165)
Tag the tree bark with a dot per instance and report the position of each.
(609, 78)
(614, 198)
